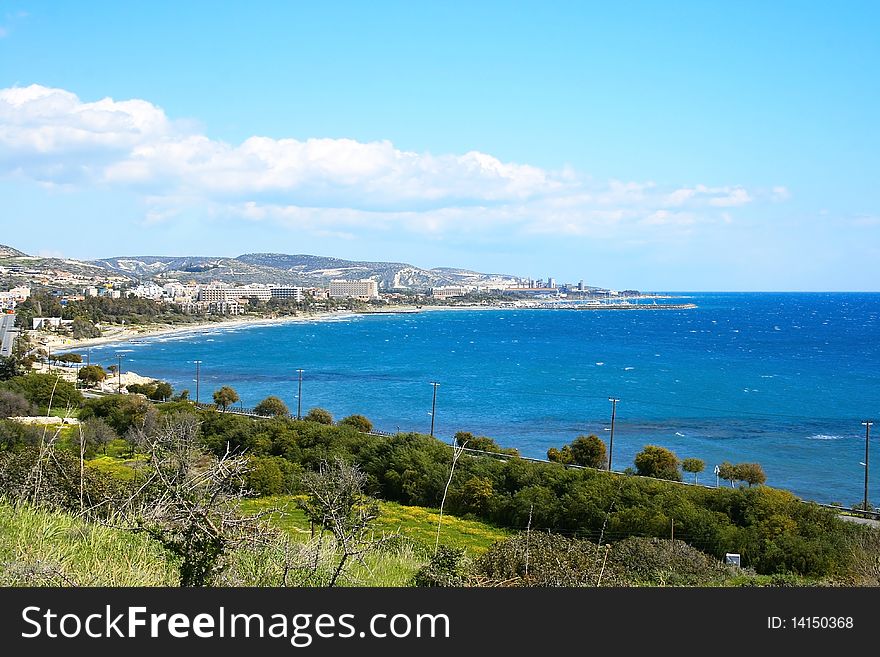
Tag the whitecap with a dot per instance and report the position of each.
(679, 433)
(600, 363)
(824, 436)
(627, 369)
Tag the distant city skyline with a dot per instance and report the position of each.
(655, 146)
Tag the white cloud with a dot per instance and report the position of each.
(322, 185)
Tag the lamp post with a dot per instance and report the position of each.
(299, 395)
(433, 406)
(867, 424)
(198, 364)
(613, 401)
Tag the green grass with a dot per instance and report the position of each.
(415, 523)
(49, 548)
(123, 469)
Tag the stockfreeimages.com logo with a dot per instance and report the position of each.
(300, 629)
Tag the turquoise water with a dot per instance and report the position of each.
(781, 379)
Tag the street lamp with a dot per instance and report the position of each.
(434, 406)
(198, 364)
(299, 395)
(867, 424)
(613, 401)
(119, 372)
(717, 475)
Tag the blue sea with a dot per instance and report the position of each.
(784, 380)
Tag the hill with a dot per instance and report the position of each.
(300, 269)
(9, 252)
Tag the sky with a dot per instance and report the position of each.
(650, 145)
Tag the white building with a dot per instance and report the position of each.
(254, 291)
(363, 289)
(286, 292)
(148, 291)
(218, 293)
(448, 291)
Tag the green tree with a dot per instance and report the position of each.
(563, 455)
(589, 451)
(271, 406)
(319, 415)
(91, 375)
(751, 473)
(83, 329)
(359, 422)
(8, 368)
(657, 462)
(41, 389)
(728, 472)
(69, 358)
(225, 397)
(162, 392)
(694, 466)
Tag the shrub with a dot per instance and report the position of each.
(657, 462)
(319, 415)
(553, 560)
(13, 404)
(271, 406)
(589, 451)
(645, 560)
(39, 389)
(359, 422)
(447, 568)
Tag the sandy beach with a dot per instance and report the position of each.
(60, 343)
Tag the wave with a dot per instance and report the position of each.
(824, 436)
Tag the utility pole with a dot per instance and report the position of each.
(433, 406)
(613, 401)
(119, 372)
(88, 356)
(299, 396)
(867, 424)
(198, 377)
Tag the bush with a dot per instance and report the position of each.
(13, 404)
(657, 462)
(589, 451)
(40, 389)
(91, 375)
(271, 406)
(319, 415)
(272, 475)
(553, 560)
(645, 560)
(359, 422)
(447, 568)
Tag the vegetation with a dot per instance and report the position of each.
(271, 406)
(358, 422)
(155, 390)
(337, 474)
(319, 415)
(657, 462)
(45, 390)
(748, 473)
(225, 397)
(91, 375)
(694, 466)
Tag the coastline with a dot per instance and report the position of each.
(124, 335)
(61, 344)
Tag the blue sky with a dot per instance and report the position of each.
(674, 145)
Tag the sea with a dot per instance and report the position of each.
(784, 380)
